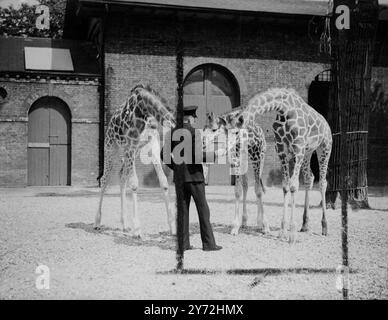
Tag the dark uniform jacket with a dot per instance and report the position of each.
(192, 172)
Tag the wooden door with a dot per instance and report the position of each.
(49, 143)
(212, 89)
(38, 147)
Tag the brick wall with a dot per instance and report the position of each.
(82, 99)
(260, 54)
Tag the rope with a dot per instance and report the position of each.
(350, 132)
(325, 40)
(351, 161)
(356, 188)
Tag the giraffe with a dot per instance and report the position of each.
(299, 131)
(124, 137)
(226, 124)
(207, 132)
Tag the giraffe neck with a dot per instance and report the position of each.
(279, 100)
(153, 106)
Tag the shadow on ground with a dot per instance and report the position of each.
(226, 229)
(266, 203)
(163, 240)
(155, 197)
(255, 271)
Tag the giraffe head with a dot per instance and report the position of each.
(223, 123)
(213, 122)
(226, 129)
(154, 106)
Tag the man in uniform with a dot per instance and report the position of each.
(194, 186)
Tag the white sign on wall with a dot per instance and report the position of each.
(48, 59)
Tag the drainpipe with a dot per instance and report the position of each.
(102, 98)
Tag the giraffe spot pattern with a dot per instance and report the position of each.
(291, 114)
(276, 125)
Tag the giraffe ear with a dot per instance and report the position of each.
(240, 121)
(221, 121)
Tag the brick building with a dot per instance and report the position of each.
(233, 49)
(49, 113)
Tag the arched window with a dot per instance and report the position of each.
(213, 89)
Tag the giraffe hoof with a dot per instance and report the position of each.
(305, 229)
(173, 230)
(282, 235)
(138, 235)
(234, 232)
(324, 228)
(126, 230)
(263, 228)
(292, 238)
(97, 227)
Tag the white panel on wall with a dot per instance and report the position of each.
(48, 59)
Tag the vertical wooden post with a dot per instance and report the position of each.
(178, 174)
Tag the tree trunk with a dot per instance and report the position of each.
(350, 103)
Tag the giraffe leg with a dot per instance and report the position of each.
(108, 166)
(309, 181)
(164, 186)
(286, 195)
(323, 158)
(128, 172)
(244, 181)
(294, 187)
(134, 184)
(123, 198)
(237, 218)
(261, 222)
(206, 173)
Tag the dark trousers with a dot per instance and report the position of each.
(197, 191)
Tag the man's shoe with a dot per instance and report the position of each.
(215, 248)
(188, 248)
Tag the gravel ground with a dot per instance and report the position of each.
(53, 227)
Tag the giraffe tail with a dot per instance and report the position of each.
(99, 179)
(262, 185)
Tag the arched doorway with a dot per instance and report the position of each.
(49, 143)
(213, 89)
(318, 98)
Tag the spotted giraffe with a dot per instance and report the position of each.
(126, 134)
(299, 131)
(207, 132)
(238, 158)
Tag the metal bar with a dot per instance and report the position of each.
(38, 145)
(178, 172)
